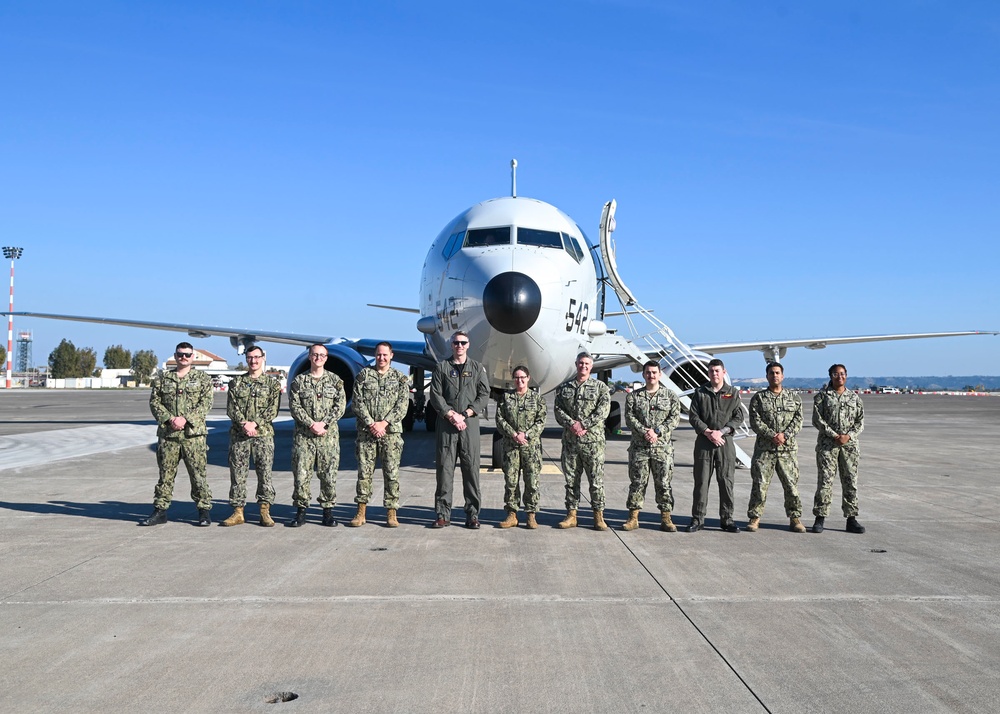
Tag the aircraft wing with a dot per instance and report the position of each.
(403, 352)
(778, 347)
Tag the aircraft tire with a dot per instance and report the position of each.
(430, 418)
(497, 450)
(408, 419)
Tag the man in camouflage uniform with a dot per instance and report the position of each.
(252, 405)
(381, 397)
(520, 419)
(775, 417)
(716, 413)
(459, 393)
(651, 414)
(180, 401)
(316, 400)
(839, 416)
(582, 406)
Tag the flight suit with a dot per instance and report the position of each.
(458, 387)
(715, 411)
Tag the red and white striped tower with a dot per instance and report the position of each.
(11, 254)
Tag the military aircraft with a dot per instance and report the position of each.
(527, 285)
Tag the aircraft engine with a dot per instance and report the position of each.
(344, 362)
(687, 372)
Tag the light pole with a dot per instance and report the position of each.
(11, 254)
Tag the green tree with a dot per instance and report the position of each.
(3, 355)
(143, 365)
(117, 357)
(87, 358)
(63, 360)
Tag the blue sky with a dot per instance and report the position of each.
(782, 170)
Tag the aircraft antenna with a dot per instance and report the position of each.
(513, 178)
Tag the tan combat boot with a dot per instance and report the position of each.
(666, 524)
(532, 523)
(795, 526)
(510, 521)
(265, 515)
(599, 524)
(570, 520)
(235, 519)
(753, 525)
(359, 518)
(633, 520)
(390, 518)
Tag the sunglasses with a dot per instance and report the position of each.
(459, 342)
(185, 355)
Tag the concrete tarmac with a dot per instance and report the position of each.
(98, 614)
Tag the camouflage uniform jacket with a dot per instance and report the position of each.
(517, 413)
(380, 397)
(588, 403)
(459, 387)
(715, 411)
(255, 400)
(311, 400)
(189, 396)
(772, 414)
(660, 410)
(835, 414)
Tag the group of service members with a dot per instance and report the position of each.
(181, 399)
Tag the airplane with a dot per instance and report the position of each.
(527, 285)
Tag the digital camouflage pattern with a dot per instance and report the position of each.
(310, 401)
(659, 410)
(190, 397)
(380, 397)
(516, 414)
(256, 400)
(835, 414)
(772, 414)
(588, 403)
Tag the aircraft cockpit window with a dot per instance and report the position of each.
(484, 237)
(453, 244)
(573, 246)
(543, 239)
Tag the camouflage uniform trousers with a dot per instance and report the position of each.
(576, 458)
(643, 460)
(517, 461)
(842, 459)
(390, 450)
(169, 453)
(319, 454)
(762, 468)
(261, 448)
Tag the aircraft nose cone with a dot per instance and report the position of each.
(512, 302)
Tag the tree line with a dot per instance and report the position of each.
(67, 361)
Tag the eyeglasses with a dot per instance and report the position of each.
(520, 376)
(254, 358)
(460, 343)
(185, 355)
(314, 355)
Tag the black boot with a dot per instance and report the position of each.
(730, 527)
(695, 526)
(328, 518)
(853, 526)
(818, 524)
(158, 516)
(298, 519)
(204, 519)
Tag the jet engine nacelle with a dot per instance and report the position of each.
(687, 372)
(343, 361)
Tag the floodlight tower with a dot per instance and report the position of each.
(11, 254)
